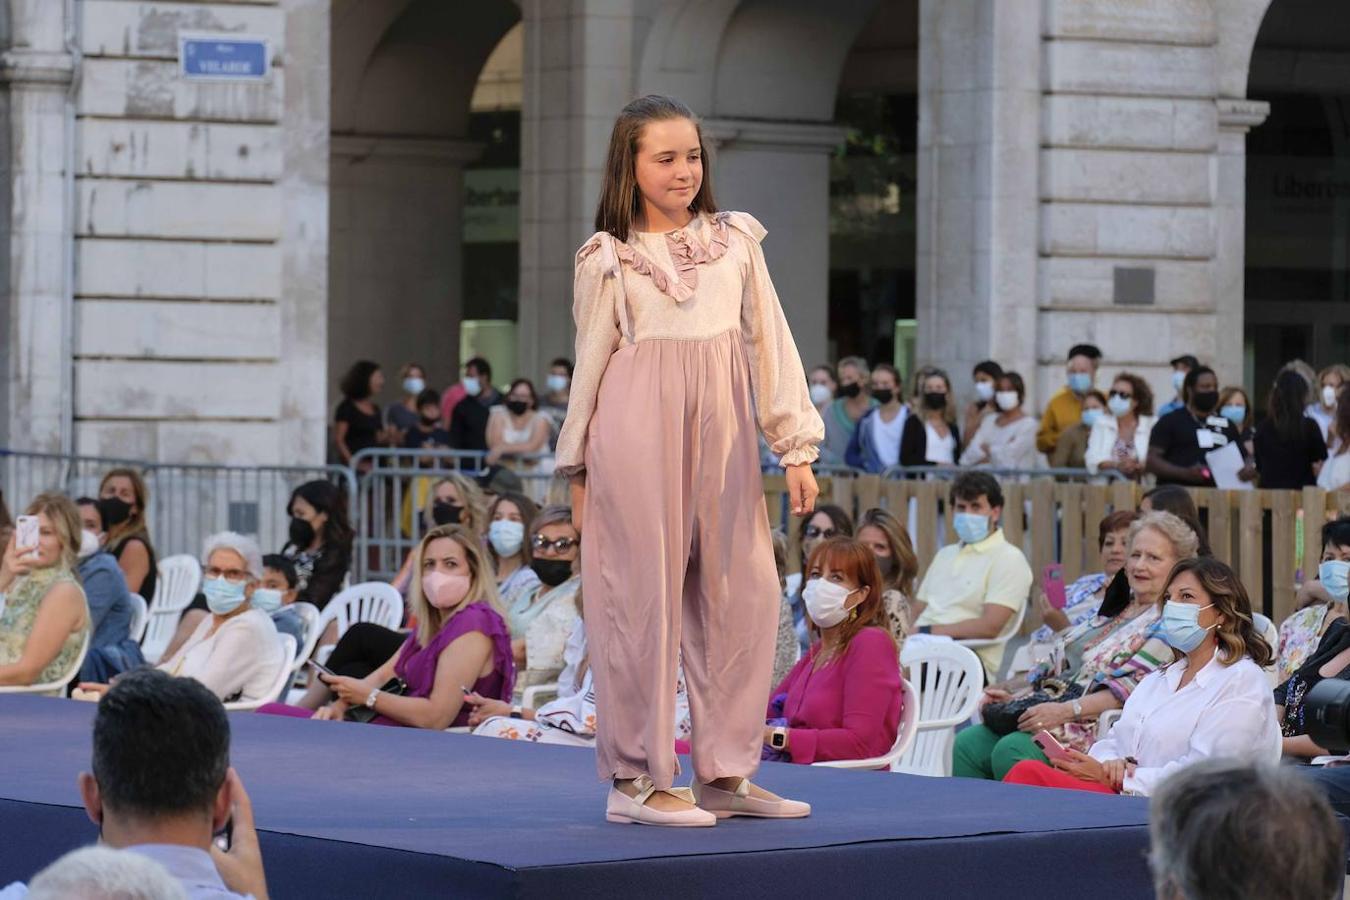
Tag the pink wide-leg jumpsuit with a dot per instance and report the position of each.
(683, 354)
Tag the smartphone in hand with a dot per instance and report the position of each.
(26, 533)
(321, 668)
(1052, 582)
(1052, 748)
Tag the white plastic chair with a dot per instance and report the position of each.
(1271, 632)
(179, 578)
(56, 687)
(279, 681)
(370, 601)
(1105, 721)
(1009, 631)
(530, 699)
(949, 680)
(310, 615)
(140, 617)
(904, 739)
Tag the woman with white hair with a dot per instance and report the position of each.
(235, 650)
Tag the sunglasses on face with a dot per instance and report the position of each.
(561, 545)
(1122, 395)
(814, 532)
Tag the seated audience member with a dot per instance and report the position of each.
(100, 873)
(425, 432)
(44, 619)
(1335, 472)
(826, 522)
(1221, 829)
(1181, 367)
(843, 698)
(1322, 410)
(517, 428)
(930, 435)
(974, 588)
(842, 415)
(319, 542)
(875, 445)
(1104, 658)
(124, 518)
(1071, 450)
(882, 533)
(1330, 660)
(786, 649)
(460, 639)
(985, 376)
(1290, 449)
(112, 649)
(1084, 596)
(454, 499)
(6, 522)
(541, 621)
(1065, 408)
(469, 420)
(1321, 602)
(1119, 441)
(1006, 439)
(1180, 440)
(234, 651)
(509, 518)
(1213, 701)
(275, 595)
(162, 785)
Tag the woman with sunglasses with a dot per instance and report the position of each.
(826, 522)
(1119, 441)
(542, 620)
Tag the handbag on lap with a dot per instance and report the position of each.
(1001, 718)
(396, 686)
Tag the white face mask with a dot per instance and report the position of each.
(984, 390)
(472, 386)
(414, 386)
(557, 383)
(820, 394)
(825, 602)
(1006, 400)
(1328, 396)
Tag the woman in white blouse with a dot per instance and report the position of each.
(1120, 440)
(235, 651)
(1213, 701)
(1006, 440)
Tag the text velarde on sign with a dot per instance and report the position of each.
(223, 57)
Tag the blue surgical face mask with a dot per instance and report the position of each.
(1119, 406)
(472, 386)
(1080, 382)
(1090, 416)
(1180, 625)
(557, 383)
(266, 599)
(971, 528)
(1335, 577)
(414, 386)
(1178, 380)
(222, 597)
(1234, 414)
(506, 536)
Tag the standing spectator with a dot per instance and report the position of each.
(407, 413)
(823, 383)
(469, 421)
(1236, 407)
(930, 437)
(1006, 439)
(1179, 440)
(123, 500)
(882, 533)
(985, 376)
(1331, 381)
(426, 432)
(516, 428)
(356, 422)
(1120, 441)
(319, 541)
(112, 650)
(1181, 367)
(875, 446)
(1066, 407)
(973, 588)
(1335, 473)
(559, 387)
(842, 416)
(1289, 445)
(1071, 451)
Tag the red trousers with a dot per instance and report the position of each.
(1038, 774)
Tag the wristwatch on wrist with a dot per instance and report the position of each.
(374, 695)
(778, 739)
(925, 629)
(517, 712)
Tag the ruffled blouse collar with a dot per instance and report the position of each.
(687, 253)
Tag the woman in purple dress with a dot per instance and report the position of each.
(459, 638)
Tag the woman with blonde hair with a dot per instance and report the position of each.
(452, 499)
(460, 639)
(125, 498)
(44, 620)
(889, 542)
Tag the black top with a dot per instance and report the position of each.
(151, 580)
(363, 429)
(419, 436)
(1175, 436)
(468, 423)
(1284, 464)
(319, 573)
(1291, 694)
(914, 442)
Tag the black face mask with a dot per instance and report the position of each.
(114, 511)
(302, 533)
(517, 407)
(848, 391)
(887, 565)
(443, 513)
(935, 401)
(552, 572)
(883, 395)
(429, 424)
(1205, 401)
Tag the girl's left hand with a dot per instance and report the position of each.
(351, 691)
(802, 489)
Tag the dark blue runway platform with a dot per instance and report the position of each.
(364, 811)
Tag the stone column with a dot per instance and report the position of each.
(36, 117)
(1236, 118)
(779, 172)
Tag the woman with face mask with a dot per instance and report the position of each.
(825, 522)
(405, 415)
(234, 650)
(517, 431)
(985, 377)
(1213, 700)
(112, 650)
(931, 437)
(1119, 441)
(460, 641)
(123, 499)
(510, 516)
(1321, 601)
(542, 620)
(842, 415)
(1071, 449)
(1331, 383)
(319, 540)
(822, 383)
(557, 395)
(875, 445)
(843, 698)
(1315, 643)
(43, 617)
(1006, 439)
(454, 499)
(889, 542)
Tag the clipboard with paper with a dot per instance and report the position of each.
(1224, 465)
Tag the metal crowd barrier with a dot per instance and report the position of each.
(948, 473)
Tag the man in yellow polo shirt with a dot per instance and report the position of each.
(975, 587)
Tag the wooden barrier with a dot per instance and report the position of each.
(1058, 521)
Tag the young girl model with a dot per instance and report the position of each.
(681, 346)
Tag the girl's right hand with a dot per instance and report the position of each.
(578, 488)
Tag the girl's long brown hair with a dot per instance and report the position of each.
(620, 200)
(851, 557)
(136, 524)
(1236, 631)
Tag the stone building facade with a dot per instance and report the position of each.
(192, 264)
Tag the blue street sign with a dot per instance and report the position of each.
(220, 56)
